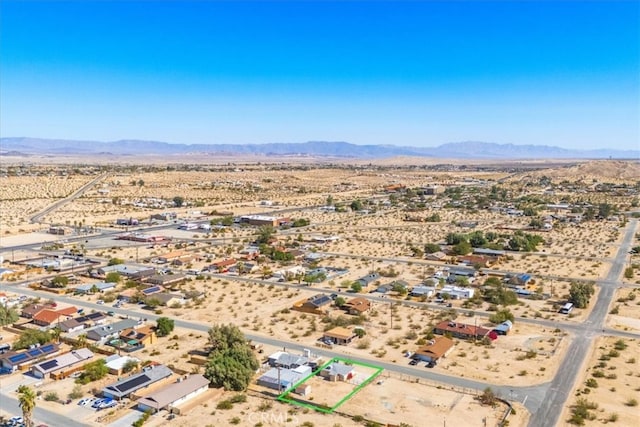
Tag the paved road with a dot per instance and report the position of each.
(557, 394)
(37, 217)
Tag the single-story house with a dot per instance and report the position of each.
(463, 331)
(135, 272)
(420, 291)
(337, 372)
(436, 256)
(143, 335)
(48, 317)
(90, 287)
(283, 378)
(168, 299)
(358, 305)
(110, 331)
(503, 328)
(33, 309)
(13, 360)
(150, 375)
(473, 260)
(283, 359)
(521, 279)
(167, 280)
(339, 335)
(456, 292)
(95, 318)
(365, 281)
(115, 363)
(316, 304)
(128, 294)
(174, 394)
(222, 266)
(71, 325)
(435, 349)
(60, 362)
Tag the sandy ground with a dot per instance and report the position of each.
(616, 383)
(627, 304)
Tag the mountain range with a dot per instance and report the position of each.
(459, 150)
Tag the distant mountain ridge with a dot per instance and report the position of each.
(459, 150)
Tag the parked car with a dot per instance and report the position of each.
(100, 302)
(96, 403)
(86, 401)
(413, 362)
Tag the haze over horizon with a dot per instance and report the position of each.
(422, 74)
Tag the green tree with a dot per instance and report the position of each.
(265, 233)
(431, 248)
(8, 315)
(628, 273)
(178, 201)
(59, 282)
(501, 315)
(462, 248)
(227, 221)
(477, 239)
(130, 365)
(231, 363)
(112, 277)
(339, 301)
(164, 326)
(27, 402)
(115, 261)
(580, 293)
(605, 210)
(30, 337)
(356, 287)
(455, 238)
(152, 302)
(93, 371)
(356, 205)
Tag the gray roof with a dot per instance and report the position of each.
(63, 360)
(172, 392)
(287, 359)
(99, 332)
(148, 376)
(101, 286)
(288, 377)
(339, 369)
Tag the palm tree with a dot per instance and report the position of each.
(27, 402)
(81, 341)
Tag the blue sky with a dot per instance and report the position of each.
(402, 73)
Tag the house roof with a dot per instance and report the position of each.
(437, 347)
(319, 300)
(148, 376)
(118, 362)
(70, 324)
(365, 280)
(101, 286)
(359, 304)
(338, 368)
(172, 392)
(91, 317)
(100, 332)
(50, 316)
(462, 329)
(287, 377)
(340, 333)
(164, 297)
(18, 358)
(63, 360)
(32, 309)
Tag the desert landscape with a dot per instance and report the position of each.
(484, 247)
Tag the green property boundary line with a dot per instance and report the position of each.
(283, 397)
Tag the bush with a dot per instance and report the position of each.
(51, 396)
(224, 404)
(631, 402)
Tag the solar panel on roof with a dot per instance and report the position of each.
(150, 290)
(321, 301)
(35, 352)
(47, 348)
(95, 315)
(132, 383)
(45, 366)
(18, 358)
